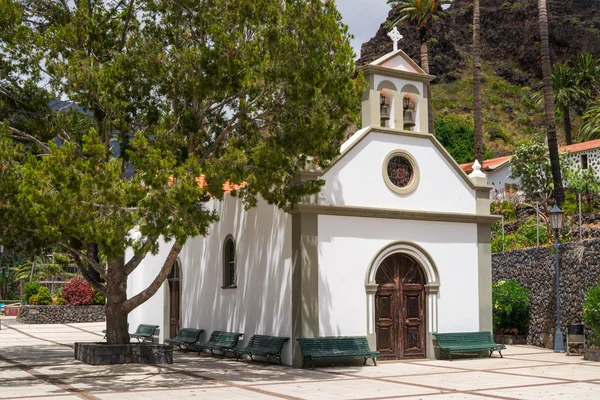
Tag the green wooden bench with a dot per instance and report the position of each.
(467, 342)
(144, 332)
(185, 338)
(221, 341)
(336, 347)
(263, 345)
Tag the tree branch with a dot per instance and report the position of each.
(137, 258)
(144, 295)
(86, 275)
(88, 259)
(29, 137)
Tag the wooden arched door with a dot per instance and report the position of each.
(174, 299)
(400, 308)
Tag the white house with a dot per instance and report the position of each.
(580, 155)
(395, 247)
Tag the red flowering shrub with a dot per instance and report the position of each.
(77, 292)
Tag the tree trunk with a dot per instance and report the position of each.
(477, 112)
(566, 112)
(116, 315)
(559, 195)
(425, 67)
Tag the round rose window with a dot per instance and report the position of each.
(400, 171)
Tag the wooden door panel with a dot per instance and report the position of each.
(414, 324)
(386, 332)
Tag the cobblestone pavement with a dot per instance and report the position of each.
(36, 362)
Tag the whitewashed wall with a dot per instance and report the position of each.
(261, 303)
(357, 178)
(347, 246)
(498, 178)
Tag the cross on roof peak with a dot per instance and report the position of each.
(395, 36)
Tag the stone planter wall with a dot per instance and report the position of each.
(510, 339)
(138, 353)
(60, 314)
(534, 269)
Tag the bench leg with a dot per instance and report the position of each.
(365, 362)
(500, 352)
(374, 362)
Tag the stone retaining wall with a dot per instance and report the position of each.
(534, 269)
(60, 314)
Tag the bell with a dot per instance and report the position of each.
(409, 120)
(385, 112)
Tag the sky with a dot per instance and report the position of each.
(363, 18)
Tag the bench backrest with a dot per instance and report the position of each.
(228, 339)
(463, 338)
(214, 337)
(268, 343)
(189, 334)
(146, 330)
(345, 344)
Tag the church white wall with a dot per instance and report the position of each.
(261, 303)
(348, 245)
(357, 178)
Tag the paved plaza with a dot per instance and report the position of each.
(36, 362)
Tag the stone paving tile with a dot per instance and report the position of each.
(568, 391)
(486, 363)
(226, 393)
(449, 396)
(474, 380)
(567, 371)
(28, 387)
(392, 369)
(14, 374)
(347, 389)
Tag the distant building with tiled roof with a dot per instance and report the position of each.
(581, 155)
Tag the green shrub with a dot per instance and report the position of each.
(44, 297)
(511, 307)
(98, 299)
(32, 299)
(59, 301)
(591, 311)
(29, 289)
(526, 234)
(504, 208)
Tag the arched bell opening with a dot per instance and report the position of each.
(410, 108)
(386, 108)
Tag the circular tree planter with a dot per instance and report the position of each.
(96, 353)
(592, 355)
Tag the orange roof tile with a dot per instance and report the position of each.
(492, 163)
(577, 147)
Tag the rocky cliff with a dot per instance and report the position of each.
(509, 33)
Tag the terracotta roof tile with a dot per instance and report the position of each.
(577, 147)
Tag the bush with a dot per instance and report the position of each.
(77, 293)
(98, 299)
(59, 301)
(33, 300)
(511, 307)
(29, 289)
(591, 312)
(526, 234)
(44, 297)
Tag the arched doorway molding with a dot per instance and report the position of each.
(431, 287)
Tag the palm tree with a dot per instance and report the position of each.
(559, 193)
(587, 74)
(420, 12)
(566, 93)
(477, 112)
(590, 128)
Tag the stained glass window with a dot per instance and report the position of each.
(400, 171)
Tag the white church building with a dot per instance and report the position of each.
(395, 247)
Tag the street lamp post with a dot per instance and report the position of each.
(556, 221)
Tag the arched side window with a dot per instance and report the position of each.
(229, 270)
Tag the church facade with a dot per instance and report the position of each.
(395, 247)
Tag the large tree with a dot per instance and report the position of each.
(119, 120)
(477, 111)
(421, 14)
(559, 194)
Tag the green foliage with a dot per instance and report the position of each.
(591, 311)
(531, 166)
(43, 297)
(457, 136)
(527, 233)
(59, 301)
(504, 208)
(30, 289)
(511, 306)
(98, 299)
(33, 299)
